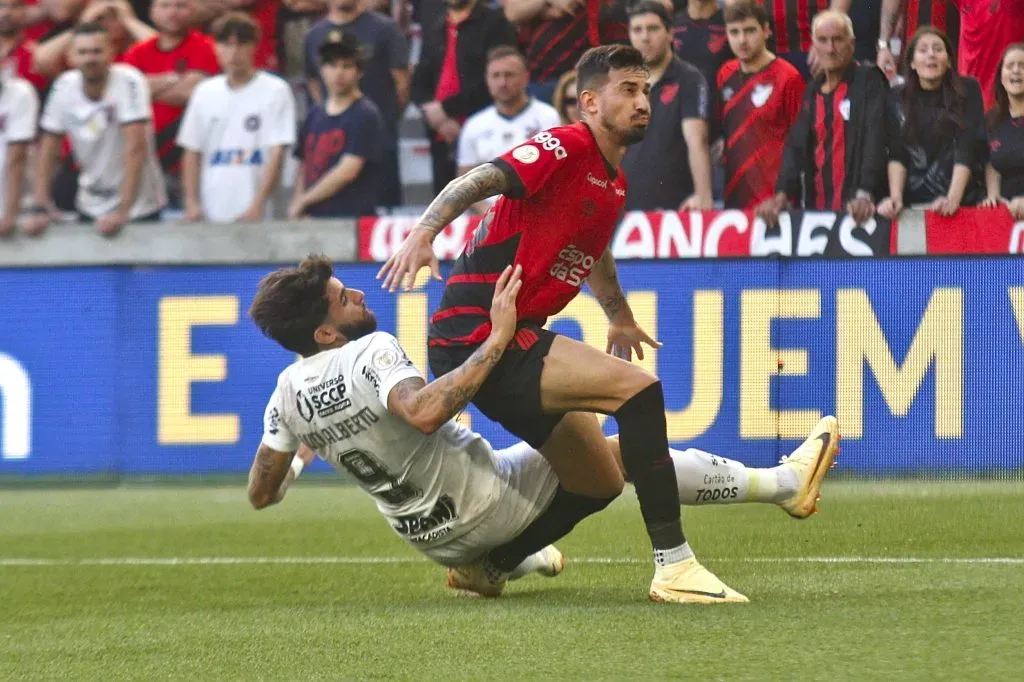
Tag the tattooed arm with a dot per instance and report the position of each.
(484, 181)
(604, 282)
(270, 477)
(427, 407)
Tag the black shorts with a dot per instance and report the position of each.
(511, 394)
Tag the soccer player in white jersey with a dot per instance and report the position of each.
(513, 118)
(357, 400)
(19, 114)
(105, 109)
(235, 132)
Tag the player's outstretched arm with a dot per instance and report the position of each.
(272, 473)
(416, 252)
(624, 335)
(427, 407)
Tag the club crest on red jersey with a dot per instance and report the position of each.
(760, 95)
(669, 92)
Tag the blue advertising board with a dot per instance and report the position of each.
(159, 371)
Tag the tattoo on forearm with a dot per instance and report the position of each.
(611, 298)
(461, 193)
(613, 305)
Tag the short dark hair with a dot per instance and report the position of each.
(596, 63)
(651, 7)
(346, 46)
(238, 26)
(741, 10)
(89, 28)
(292, 302)
(502, 51)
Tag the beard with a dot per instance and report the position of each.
(358, 330)
(633, 135)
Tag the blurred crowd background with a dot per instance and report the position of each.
(249, 110)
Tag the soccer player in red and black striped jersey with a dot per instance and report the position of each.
(759, 101)
(562, 194)
(942, 14)
(791, 23)
(835, 156)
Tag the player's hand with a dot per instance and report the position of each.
(503, 304)
(945, 206)
(861, 209)
(993, 202)
(769, 209)
(110, 224)
(697, 203)
(415, 253)
(887, 63)
(890, 208)
(306, 454)
(623, 339)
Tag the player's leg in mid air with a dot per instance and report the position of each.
(794, 485)
(576, 379)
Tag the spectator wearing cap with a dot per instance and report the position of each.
(120, 23)
(514, 117)
(556, 33)
(449, 84)
(341, 144)
(174, 61)
(105, 110)
(385, 79)
(671, 167)
(236, 131)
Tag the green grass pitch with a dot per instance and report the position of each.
(346, 599)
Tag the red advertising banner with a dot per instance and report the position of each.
(674, 234)
(974, 230)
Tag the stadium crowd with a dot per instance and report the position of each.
(114, 111)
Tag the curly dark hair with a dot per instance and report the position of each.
(292, 302)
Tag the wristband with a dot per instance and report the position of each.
(297, 465)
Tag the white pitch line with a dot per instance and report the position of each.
(379, 560)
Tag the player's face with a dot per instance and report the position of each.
(172, 17)
(506, 80)
(622, 106)
(347, 315)
(1012, 73)
(235, 57)
(930, 60)
(341, 77)
(12, 16)
(649, 35)
(747, 39)
(833, 45)
(91, 55)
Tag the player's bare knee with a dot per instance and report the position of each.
(632, 381)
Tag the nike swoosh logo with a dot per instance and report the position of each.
(825, 439)
(713, 595)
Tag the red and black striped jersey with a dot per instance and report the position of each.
(757, 110)
(942, 14)
(553, 46)
(556, 221)
(791, 22)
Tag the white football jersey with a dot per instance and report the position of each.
(19, 114)
(431, 488)
(235, 130)
(487, 134)
(95, 131)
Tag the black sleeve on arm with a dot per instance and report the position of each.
(894, 130)
(694, 101)
(428, 70)
(473, 95)
(873, 170)
(516, 190)
(968, 140)
(794, 154)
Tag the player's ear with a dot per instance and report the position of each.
(587, 100)
(325, 335)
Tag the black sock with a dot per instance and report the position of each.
(644, 442)
(561, 516)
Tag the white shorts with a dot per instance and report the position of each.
(527, 488)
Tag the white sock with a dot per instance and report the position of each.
(664, 557)
(704, 478)
(530, 564)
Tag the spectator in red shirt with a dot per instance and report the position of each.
(263, 12)
(118, 19)
(987, 28)
(15, 49)
(174, 61)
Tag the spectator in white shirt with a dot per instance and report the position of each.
(19, 112)
(513, 118)
(105, 110)
(236, 131)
